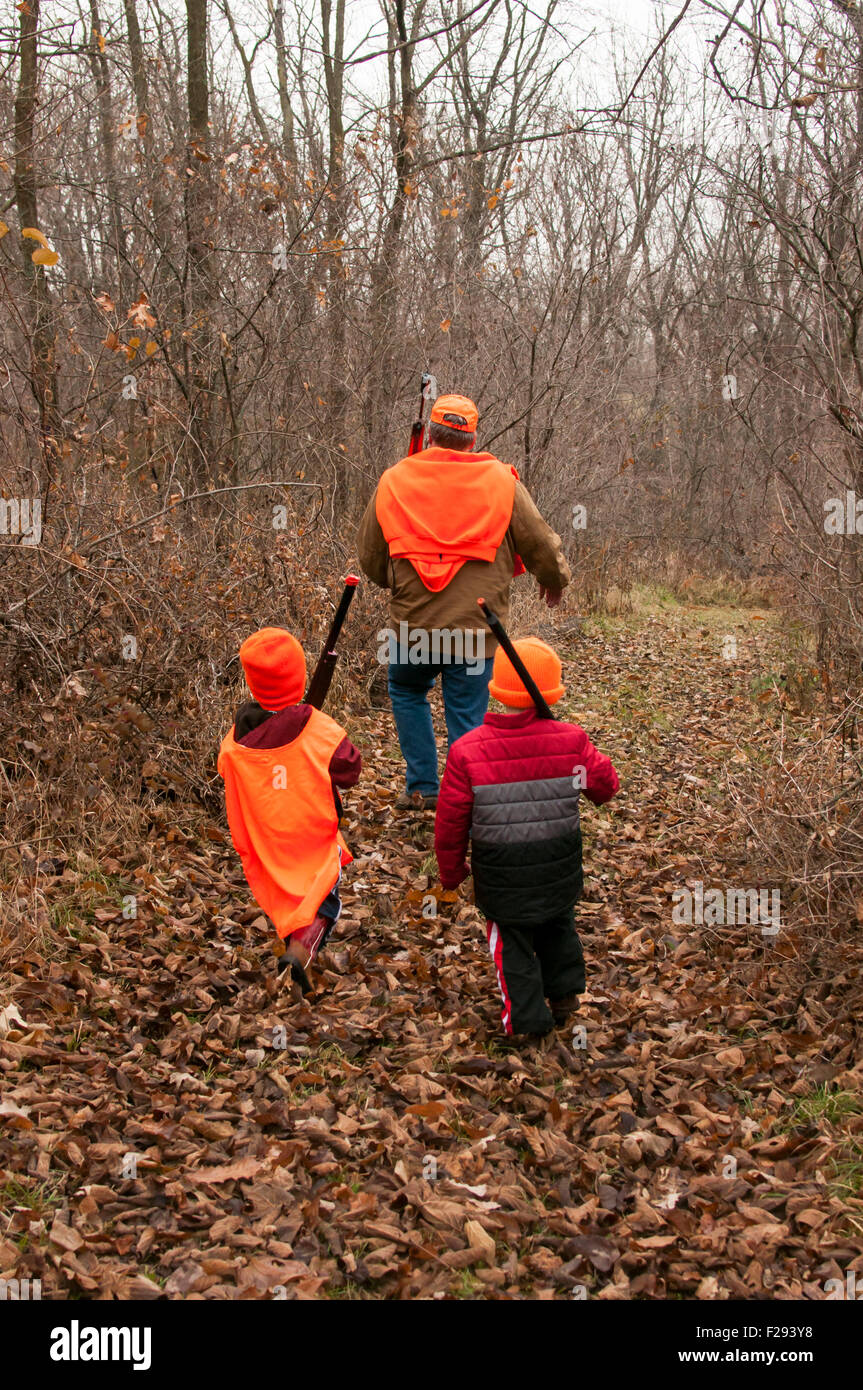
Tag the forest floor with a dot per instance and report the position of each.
(173, 1123)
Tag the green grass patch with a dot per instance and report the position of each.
(38, 1196)
(824, 1104)
(468, 1286)
(846, 1172)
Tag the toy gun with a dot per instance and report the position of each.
(323, 672)
(521, 670)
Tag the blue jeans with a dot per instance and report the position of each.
(465, 701)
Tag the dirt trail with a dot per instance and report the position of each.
(174, 1125)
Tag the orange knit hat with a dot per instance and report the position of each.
(542, 663)
(275, 668)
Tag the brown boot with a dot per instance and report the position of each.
(416, 801)
(295, 959)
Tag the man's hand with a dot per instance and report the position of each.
(551, 596)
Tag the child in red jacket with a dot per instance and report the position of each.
(511, 787)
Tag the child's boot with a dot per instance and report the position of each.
(301, 950)
(563, 1008)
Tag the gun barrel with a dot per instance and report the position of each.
(521, 670)
(323, 673)
(428, 388)
(351, 583)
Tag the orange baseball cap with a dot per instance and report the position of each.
(457, 412)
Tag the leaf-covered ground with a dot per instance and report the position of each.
(387, 1141)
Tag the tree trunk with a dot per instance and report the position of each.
(388, 359)
(43, 369)
(289, 147)
(116, 235)
(200, 227)
(337, 392)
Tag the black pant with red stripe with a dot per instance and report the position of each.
(535, 963)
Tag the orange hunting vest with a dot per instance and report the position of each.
(439, 507)
(283, 820)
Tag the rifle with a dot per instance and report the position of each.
(323, 672)
(521, 670)
(428, 388)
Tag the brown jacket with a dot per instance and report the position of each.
(455, 607)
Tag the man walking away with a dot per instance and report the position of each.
(445, 527)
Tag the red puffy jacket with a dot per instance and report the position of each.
(511, 787)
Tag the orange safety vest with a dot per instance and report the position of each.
(284, 822)
(439, 508)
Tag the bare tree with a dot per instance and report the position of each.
(39, 309)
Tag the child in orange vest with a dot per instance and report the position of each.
(282, 763)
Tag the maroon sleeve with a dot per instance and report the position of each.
(600, 781)
(345, 765)
(452, 822)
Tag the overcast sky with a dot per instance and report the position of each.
(639, 20)
(602, 35)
